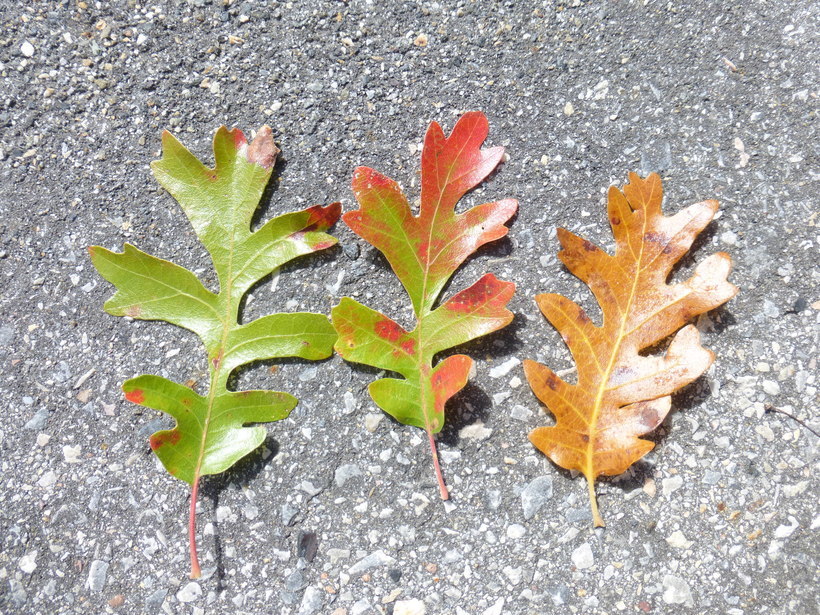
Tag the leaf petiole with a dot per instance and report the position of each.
(445, 495)
(195, 571)
(597, 521)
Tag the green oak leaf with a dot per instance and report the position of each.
(211, 432)
(424, 251)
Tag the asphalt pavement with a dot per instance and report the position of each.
(338, 512)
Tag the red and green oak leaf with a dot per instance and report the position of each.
(424, 252)
(210, 433)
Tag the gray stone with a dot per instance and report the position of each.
(96, 575)
(295, 582)
(38, 421)
(6, 335)
(345, 473)
(656, 157)
(153, 603)
(288, 514)
(374, 560)
(537, 493)
(676, 591)
(311, 601)
(190, 592)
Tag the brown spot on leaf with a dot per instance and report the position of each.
(653, 237)
(589, 246)
(552, 382)
(133, 310)
(162, 438)
(615, 220)
(649, 417)
(582, 317)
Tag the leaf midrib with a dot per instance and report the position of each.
(602, 384)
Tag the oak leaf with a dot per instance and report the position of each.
(424, 251)
(210, 433)
(621, 394)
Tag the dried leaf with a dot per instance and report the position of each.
(621, 394)
(210, 435)
(424, 251)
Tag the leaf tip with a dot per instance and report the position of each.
(261, 150)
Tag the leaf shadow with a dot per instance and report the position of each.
(243, 471)
(465, 407)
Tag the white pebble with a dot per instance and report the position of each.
(582, 557)
(27, 49)
(678, 540)
(476, 431)
(502, 370)
(28, 562)
(71, 454)
(516, 531)
(770, 387)
(676, 591)
(784, 531)
(670, 485)
(47, 479)
(190, 592)
(371, 421)
(409, 607)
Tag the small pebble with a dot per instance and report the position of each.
(670, 485)
(27, 49)
(409, 607)
(582, 557)
(678, 540)
(537, 492)
(190, 592)
(96, 575)
(476, 431)
(516, 531)
(676, 591)
(28, 562)
(345, 473)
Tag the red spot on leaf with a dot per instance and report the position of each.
(164, 437)
(136, 396)
(474, 296)
(321, 218)
(133, 311)
(238, 138)
(615, 220)
(388, 330)
(409, 346)
(321, 245)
